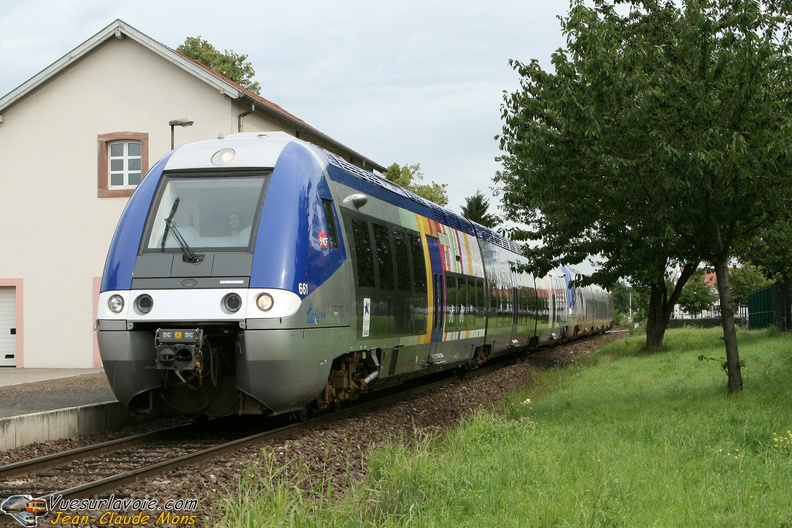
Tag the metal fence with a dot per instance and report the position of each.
(771, 306)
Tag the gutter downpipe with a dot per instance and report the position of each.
(245, 114)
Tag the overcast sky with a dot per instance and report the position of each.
(403, 81)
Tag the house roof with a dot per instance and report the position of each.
(120, 30)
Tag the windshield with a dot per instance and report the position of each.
(205, 213)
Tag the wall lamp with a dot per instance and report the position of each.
(183, 122)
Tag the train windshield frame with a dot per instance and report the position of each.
(207, 212)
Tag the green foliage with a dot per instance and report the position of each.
(659, 139)
(228, 63)
(697, 295)
(745, 280)
(411, 178)
(475, 209)
(627, 300)
(769, 249)
(723, 363)
(704, 322)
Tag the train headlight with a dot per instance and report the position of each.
(115, 303)
(144, 303)
(221, 157)
(232, 302)
(265, 302)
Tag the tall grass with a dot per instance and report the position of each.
(630, 439)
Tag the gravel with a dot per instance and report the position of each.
(338, 449)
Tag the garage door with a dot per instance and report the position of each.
(7, 326)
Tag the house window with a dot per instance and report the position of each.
(123, 160)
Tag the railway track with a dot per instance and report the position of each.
(98, 469)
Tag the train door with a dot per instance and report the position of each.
(8, 327)
(557, 306)
(438, 294)
(515, 304)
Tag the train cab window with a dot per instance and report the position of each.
(205, 213)
(330, 220)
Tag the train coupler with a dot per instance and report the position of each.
(179, 349)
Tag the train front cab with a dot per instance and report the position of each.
(195, 319)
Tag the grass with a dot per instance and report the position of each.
(628, 439)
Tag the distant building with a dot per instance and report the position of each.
(75, 140)
(711, 281)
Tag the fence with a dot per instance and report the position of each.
(771, 306)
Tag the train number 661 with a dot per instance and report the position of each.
(302, 288)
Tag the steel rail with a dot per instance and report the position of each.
(56, 459)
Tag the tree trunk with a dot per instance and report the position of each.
(733, 369)
(656, 320)
(661, 307)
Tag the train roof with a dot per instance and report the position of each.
(431, 209)
(199, 154)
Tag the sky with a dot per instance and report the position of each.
(404, 81)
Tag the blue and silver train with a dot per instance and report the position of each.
(258, 273)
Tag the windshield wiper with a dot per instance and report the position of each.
(189, 255)
(168, 222)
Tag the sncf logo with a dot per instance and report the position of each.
(324, 240)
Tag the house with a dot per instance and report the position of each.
(74, 142)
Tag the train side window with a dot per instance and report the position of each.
(384, 257)
(452, 302)
(364, 258)
(481, 299)
(330, 220)
(402, 253)
(465, 317)
(418, 263)
(494, 303)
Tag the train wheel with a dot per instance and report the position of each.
(301, 415)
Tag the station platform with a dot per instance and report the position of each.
(37, 405)
(17, 376)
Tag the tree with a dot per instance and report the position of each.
(229, 64)
(475, 209)
(745, 280)
(660, 140)
(411, 177)
(769, 250)
(624, 303)
(697, 295)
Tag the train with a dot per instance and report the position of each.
(261, 274)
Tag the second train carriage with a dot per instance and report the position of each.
(258, 273)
